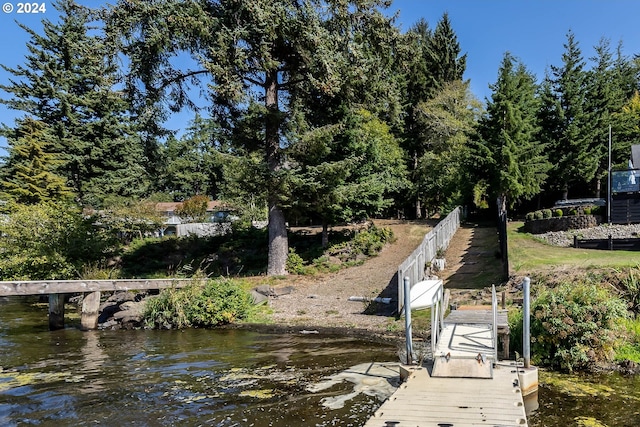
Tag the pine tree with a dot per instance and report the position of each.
(564, 118)
(257, 54)
(445, 63)
(434, 62)
(516, 161)
(68, 82)
(28, 176)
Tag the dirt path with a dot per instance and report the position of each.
(323, 300)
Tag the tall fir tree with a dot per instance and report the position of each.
(69, 82)
(435, 61)
(28, 175)
(564, 118)
(252, 54)
(516, 163)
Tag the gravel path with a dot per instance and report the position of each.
(323, 301)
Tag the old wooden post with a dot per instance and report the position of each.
(90, 311)
(56, 311)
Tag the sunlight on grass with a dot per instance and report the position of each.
(527, 254)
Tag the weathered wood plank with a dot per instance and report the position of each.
(44, 287)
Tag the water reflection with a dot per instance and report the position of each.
(166, 378)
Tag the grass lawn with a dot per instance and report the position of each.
(528, 254)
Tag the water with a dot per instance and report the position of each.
(176, 378)
(231, 378)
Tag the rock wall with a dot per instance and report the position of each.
(540, 226)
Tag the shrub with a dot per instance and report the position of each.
(573, 212)
(557, 213)
(596, 210)
(546, 213)
(587, 210)
(538, 215)
(215, 303)
(529, 216)
(572, 326)
(51, 241)
(295, 263)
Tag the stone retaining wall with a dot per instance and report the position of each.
(564, 223)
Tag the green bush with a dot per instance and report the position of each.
(538, 215)
(572, 326)
(217, 302)
(587, 210)
(529, 217)
(546, 213)
(295, 263)
(51, 241)
(557, 213)
(573, 212)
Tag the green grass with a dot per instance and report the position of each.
(528, 254)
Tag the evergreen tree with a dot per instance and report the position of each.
(28, 176)
(447, 123)
(516, 163)
(564, 118)
(434, 62)
(191, 163)
(444, 61)
(68, 83)
(347, 172)
(257, 53)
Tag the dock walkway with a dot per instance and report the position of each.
(464, 385)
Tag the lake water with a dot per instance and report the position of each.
(232, 378)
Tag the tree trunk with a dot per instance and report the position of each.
(565, 191)
(418, 204)
(325, 233)
(598, 188)
(278, 240)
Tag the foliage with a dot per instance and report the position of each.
(546, 213)
(68, 83)
(295, 263)
(50, 241)
(365, 242)
(193, 209)
(29, 171)
(130, 219)
(574, 326)
(447, 124)
(513, 155)
(214, 303)
(538, 215)
(558, 213)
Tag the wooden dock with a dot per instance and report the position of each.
(426, 401)
(91, 289)
(464, 384)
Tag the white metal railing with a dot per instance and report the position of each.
(437, 317)
(494, 308)
(438, 238)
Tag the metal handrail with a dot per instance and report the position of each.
(437, 316)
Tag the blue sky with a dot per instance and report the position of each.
(532, 30)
